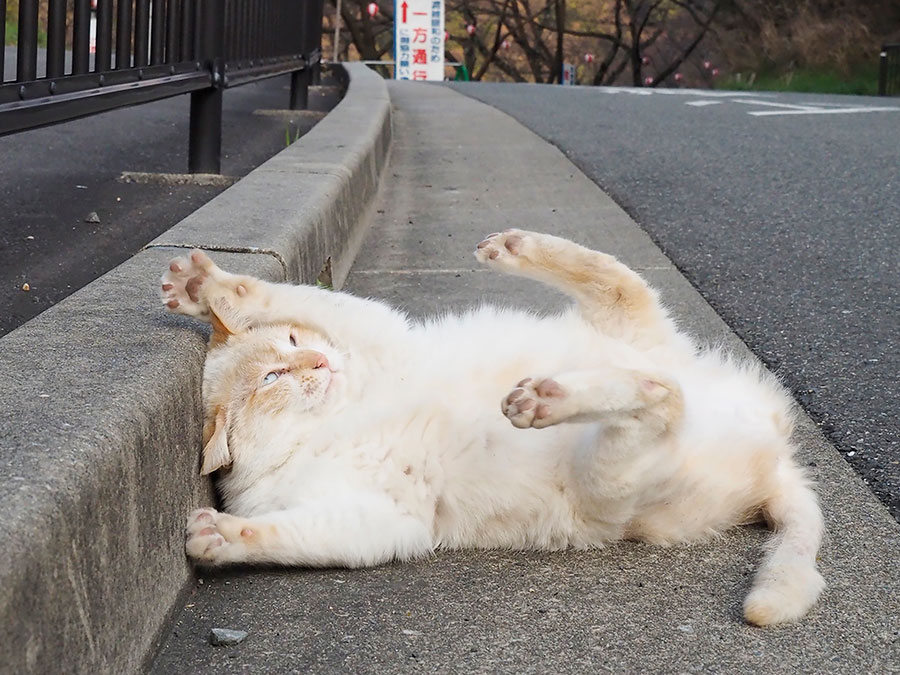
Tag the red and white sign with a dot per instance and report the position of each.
(419, 39)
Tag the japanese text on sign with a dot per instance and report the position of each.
(419, 39)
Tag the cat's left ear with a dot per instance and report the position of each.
(220, 331)
(216, 453)
(225, 320)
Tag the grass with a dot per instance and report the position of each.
(287, 136)
(861, 80)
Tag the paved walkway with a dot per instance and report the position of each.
(460, 169)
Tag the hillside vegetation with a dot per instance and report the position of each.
(805, 45)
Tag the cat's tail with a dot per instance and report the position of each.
(788, 583)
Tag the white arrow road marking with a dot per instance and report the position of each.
(791, 109)
(700, 104)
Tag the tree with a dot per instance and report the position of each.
(530, 39)
(361, 36)
(642, 41)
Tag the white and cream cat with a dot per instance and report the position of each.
(346, 435)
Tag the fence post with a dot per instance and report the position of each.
(205, 145)
(300, 89)
(882, 72)
(27, 44)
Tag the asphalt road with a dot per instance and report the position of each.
(53, 179)
(787, 222)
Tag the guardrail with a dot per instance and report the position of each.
(889, 71)
(166, 48)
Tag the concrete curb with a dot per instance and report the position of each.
(302, 224)
(99, 403)
(628, 608)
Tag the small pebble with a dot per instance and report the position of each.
(224, 637)
(26, 287)
(92, 217)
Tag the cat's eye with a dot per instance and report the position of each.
(270, 378)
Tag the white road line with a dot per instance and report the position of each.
(773, 104)
(648, 91)
(825, 105)
(820, 111)
(732, 96)
(808, 109)
(705, 93)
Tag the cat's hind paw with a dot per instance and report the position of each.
(213, 538)
(536, 404)
(503, 247)
(202, 536)
(182, 283)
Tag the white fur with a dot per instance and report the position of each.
(407, 449)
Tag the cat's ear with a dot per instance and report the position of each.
(225, 320)
(216, 453)
(220, 331)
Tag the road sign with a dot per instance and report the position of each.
(568, 74)
(419, 39)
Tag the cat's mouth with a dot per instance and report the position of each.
(333, 376)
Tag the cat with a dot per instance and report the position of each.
(345, 434)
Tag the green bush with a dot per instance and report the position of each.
(861, 80)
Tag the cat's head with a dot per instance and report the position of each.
(263, 381)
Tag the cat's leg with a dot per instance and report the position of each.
(635, 417)
(353, 532)
(610, 295)
(195, 286)
(646, 403)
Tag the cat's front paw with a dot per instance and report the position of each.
(183, 282)
(534, 404)
(503, 247)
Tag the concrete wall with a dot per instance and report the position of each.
(100, 403)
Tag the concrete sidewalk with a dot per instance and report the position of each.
(458, 170)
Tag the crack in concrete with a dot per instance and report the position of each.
(230, 249)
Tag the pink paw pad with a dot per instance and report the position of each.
(513, 244)
(549, 389)
(496, 245)
(531, 404)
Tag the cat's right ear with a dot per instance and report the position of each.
(216, 453)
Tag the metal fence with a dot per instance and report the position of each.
(889, 71)
(105, 54)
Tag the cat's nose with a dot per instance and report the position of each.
(311, 359)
